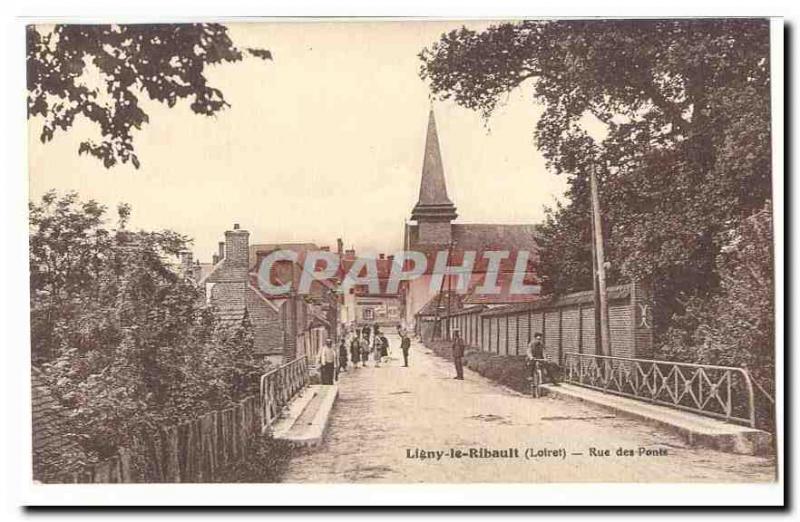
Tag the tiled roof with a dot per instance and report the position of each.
(481, 238)
(448, 301)
(300, 248)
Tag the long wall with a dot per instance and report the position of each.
(567, 324)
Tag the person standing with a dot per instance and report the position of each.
(384, 347)
(535, 356)
(366, 331)
(458, 355)
(405, 346)
(343, 355)
(327, 361)
(355, 350)
(377, 349)
(365, 350)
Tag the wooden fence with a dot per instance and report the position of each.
(193, 451)
(196, 450)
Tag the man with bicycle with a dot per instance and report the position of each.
(536, 360)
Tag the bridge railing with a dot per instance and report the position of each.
(723, 392)
(279, 386)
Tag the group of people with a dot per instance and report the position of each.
(534, 358)
(359, 345)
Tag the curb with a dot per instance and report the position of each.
(709, 433)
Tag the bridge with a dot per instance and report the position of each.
(418, 424)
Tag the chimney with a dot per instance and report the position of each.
(237, 250)
(325, 248)
(390, 258)
(381, 256)
(186, 262)
(221, 254)
(215, 259)
(197, 270)
(339, 246)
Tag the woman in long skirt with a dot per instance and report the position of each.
(355, 351)
(365, 349)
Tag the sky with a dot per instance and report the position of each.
(325, 141)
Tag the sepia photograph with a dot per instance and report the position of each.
(403, 251)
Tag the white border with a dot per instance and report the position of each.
(13, 261)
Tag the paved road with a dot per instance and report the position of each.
(385, 416)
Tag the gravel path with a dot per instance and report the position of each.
(387, 418)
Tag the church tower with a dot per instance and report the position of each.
(434, 211)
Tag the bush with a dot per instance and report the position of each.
(509, 370)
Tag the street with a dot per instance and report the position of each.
(402, 425)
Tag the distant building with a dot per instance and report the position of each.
(432, 230)
(362, 306)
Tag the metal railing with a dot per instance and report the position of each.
(723, 392)
(279, 386)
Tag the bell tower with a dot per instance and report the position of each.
(434, 211)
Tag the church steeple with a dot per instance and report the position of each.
(433, 204)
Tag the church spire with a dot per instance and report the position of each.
(433, 203)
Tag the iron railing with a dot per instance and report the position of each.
(723, 392)
(279, 386)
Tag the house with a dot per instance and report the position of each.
(284, 326)
(432, 231)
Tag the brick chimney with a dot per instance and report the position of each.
(339, 246)
(237, 251)
(221, 251)
(186, 262)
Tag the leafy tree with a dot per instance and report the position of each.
(165, 62)
(124, 339)
(736, 326)
(687, 155)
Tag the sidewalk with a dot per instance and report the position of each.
(695, 429)
(307, 417)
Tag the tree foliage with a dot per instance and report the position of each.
(123, 338)
(101, 71)
(687, 155)
(736, 325)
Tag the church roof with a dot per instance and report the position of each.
(481, 238)
(433, 202)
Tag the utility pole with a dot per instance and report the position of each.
(598, 325)
(600, 265)
(293, 316)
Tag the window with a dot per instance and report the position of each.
(368, 314)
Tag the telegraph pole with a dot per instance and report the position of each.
(600, 265)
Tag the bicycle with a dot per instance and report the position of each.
(535, 379)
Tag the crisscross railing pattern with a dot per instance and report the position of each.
(724, 392)
(278, 386)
